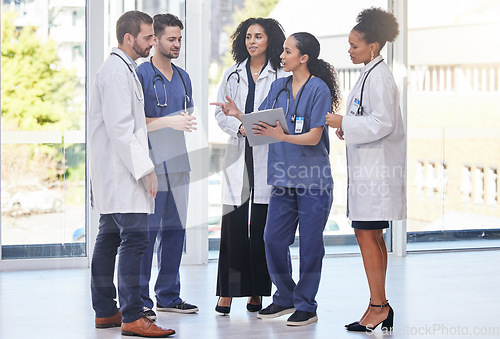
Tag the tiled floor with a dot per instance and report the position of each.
(438, 295)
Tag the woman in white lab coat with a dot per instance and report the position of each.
(375, 140)
(256, 47)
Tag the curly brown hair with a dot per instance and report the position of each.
(275, 40)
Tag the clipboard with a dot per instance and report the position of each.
(269, 116)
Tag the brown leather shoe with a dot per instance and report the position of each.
(143, 327)
(108, 322)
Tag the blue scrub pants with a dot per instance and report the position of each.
(129, 232)
(309, 209)
(168, 226)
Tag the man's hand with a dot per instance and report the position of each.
(151, 183)
(182, 122)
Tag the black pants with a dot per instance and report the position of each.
(242, 258)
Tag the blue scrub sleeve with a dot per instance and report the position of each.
(268, 101)
(322, 104)
(141, 78)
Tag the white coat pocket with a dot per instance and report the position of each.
(369, 165)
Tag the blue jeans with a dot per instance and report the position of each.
(168, 225)
(309, 209)
(129, 232)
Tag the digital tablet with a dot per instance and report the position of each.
(269, 116)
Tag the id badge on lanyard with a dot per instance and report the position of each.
(355, 107)
(299, 124)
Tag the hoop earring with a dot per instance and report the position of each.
(371, 54)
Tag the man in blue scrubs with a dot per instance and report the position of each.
(168, 102)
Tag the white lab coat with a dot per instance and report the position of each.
(118, 145)
(234, 159)
(376, 149)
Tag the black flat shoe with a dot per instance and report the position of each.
(223, 309)
(387, 323)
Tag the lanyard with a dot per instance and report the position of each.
(298, 99)
(287, 91)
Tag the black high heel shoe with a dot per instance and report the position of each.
(387, 323)
(223, 309)
(254, 308)
(357, 322)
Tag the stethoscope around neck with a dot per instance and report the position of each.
(287, 91)
(238, 78)
(158, 77)
(236, 74)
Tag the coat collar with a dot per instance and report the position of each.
(241, 68)
(370, 64)
(125, 57)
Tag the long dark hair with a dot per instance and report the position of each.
(308, 44)
(377, 25)
(275, 40)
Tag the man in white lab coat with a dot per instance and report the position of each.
(123, 182)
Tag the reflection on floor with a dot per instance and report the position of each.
(441, 295)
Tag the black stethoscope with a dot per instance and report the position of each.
(133, 74)
(287, 91)
(157, 77)
(238, 78)
(126, 63)
(236, 72)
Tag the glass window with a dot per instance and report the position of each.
(43, 129)
(453, 96)
(492, 186)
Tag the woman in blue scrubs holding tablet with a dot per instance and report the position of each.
(299, 171)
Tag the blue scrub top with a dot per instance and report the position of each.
(301, 166)
(172, 156)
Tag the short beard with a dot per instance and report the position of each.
(168, 55)
(142, 53)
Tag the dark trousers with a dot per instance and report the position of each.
(242, 258)
(129, 232)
